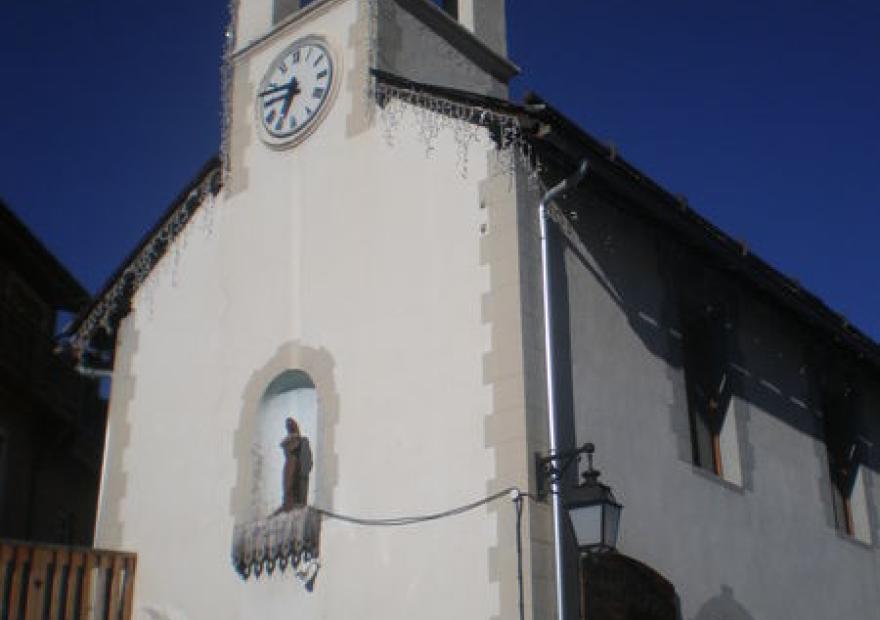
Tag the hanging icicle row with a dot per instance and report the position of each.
(138, 270)
(432, 114)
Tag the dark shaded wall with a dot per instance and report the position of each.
(51, 426)
(752, 548)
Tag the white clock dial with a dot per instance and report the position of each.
(295, 90)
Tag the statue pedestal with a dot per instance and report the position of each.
(287, 539)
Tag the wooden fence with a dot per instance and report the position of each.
(49, 582)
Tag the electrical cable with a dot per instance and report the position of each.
(411, 520)
(518, 504)
(513, 492)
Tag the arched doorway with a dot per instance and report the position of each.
(617, 587)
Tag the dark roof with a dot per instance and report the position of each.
(674, 214)
(38, 266)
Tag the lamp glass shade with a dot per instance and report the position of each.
(587, 522)
(595, 516)
(610, 524)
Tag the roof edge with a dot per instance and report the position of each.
(785, 290)
(551, 128)
(104, 308)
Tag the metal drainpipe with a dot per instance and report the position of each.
(558, 529)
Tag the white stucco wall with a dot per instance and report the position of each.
(370, 254)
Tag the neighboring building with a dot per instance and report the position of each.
(51, 419)
(364, 259)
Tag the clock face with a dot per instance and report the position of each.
(295, 92)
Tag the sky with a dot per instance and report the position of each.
(764, 113)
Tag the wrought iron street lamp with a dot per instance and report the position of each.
(593, 511)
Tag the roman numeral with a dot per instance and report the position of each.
(317, 62)
(308, 111)
(294, 58)
(270, 117)
(292, 122)
(309, 52)
(318, 93)
(322, 74)
(283, 67)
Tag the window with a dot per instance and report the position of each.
(283, 8)
(845, 452)
(706, 334)
(708, 384)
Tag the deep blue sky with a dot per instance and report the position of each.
(764, 113)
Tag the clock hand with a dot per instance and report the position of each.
(293, 89)
(269, 102)
(275, 89)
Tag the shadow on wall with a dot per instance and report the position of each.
(723, 607)
(649, 275)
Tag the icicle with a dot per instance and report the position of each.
(432, 114)
(141, 272)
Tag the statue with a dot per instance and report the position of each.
(297, 466)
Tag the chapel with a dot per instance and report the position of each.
(362, 362)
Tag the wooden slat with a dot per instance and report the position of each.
(39, 587)
(106, 561)
(61, 560)
(7, 553)
(128, 594)
(116, 577)
(36, 586)
(77, 558)
(22, 555)
(86, 602)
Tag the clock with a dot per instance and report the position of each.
(296, 91)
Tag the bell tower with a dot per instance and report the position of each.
(485, 18)
(441, 42)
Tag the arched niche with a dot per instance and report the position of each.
(299, 382)
(290, 395)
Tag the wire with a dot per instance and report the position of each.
(411, 520)
(513, 492)
(518, 503)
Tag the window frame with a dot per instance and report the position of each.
(840, 402)
(706, 355)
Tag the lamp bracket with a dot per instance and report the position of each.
(550, 468)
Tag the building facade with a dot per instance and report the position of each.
(329, 356)
(51, 418)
